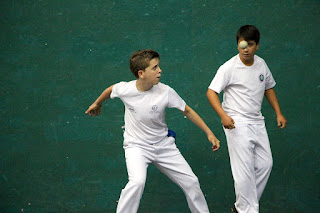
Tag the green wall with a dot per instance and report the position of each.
(56, 57)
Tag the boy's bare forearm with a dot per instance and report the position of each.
(214, 100)
(104, 96)
(273, 101)
(95, 108)
(215, 103)
(197, 120)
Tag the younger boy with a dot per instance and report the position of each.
(245, 79)
(146, 136)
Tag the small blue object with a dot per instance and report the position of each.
(171, 133)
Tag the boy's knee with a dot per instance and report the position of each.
(195, 180)
(270, 164)
(137, 182)
(267, 165)
(192, 183)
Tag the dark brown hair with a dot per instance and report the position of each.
(140, 60)
(248, 32)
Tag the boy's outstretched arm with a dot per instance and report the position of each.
(214, 100)
(197, 120)
(270, 94)
(95, 108)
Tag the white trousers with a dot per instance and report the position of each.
(251, 164)
(168, 159)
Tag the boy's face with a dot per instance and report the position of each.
(247, 54)
(152, 73)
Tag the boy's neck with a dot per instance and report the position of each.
(247, 63)
(143, 86)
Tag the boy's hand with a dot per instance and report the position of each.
(94, 110)
(228, 122)
(215, 142)
(282, 121)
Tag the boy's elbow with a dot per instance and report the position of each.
(269, 92)
(186, 110)
(209, 93)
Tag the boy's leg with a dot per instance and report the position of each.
(137, 163)
(170, 161)
(241, 151)
(263, 163)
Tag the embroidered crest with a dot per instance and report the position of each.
(154, 109)
(261, 78)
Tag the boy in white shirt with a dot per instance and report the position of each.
(146, 136)
(244, 80)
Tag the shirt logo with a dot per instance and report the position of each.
(154, 109)
(261, 78)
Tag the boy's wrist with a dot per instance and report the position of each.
(224, 116)
(98, 103)
(278, 113)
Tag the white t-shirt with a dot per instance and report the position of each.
(243, 88)
(145, 111)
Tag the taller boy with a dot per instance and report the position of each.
(146, 137)
(245, 79)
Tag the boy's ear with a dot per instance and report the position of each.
(140, 73)
(258, 46)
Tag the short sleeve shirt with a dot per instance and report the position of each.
(243, 88)
(145, 111)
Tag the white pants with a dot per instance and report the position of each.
(251, 164)
(168, 159)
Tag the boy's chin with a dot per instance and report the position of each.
(156, 82)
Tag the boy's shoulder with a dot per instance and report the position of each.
(230, 63)
(123, 88)
(236, 60)
(259, 59)
(125, 83)
(161, 87)
(260, 62)
(131, 86)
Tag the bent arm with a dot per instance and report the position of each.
(197, 120)
(214, 100)
(270, 95)
(95, 108)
